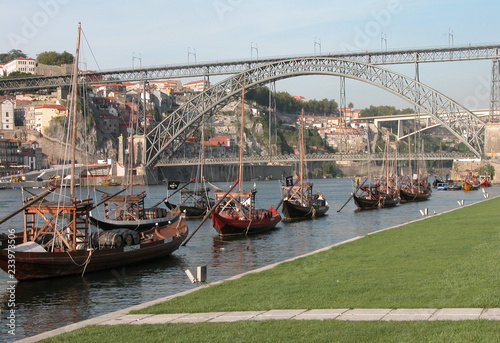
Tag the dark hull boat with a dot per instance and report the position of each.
(128, 211)
(33, 261)
(228, 223)
(370, 196)
(364, 202)
(190, 211)
(195, 203)
(136, 225)
(298, 200)
(295, 211)
(408, 196)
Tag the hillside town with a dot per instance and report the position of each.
(125, 107)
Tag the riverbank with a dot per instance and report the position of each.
(444, 261)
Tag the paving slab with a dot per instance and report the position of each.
(197, 317)
(364, 314)
(278, 314)
(321, 314)
(159, 319)
(404, 314)
(491, 314)
(236, 316)
(126, 319)
(457, 314)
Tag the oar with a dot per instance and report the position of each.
(210, 212)
(168, 196)
(29, 203)
(357, 188)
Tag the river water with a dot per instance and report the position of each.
(48, 304)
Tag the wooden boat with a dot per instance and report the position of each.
(378, 192)
(108, 183)
(418, 195)
(299, 202)
(454, 186)
(470, 183)
(485, 182)
(297, 198)
(236, 214)
(195, 203)
(57, 240)
(442, 186)
(74, 249)
(414, 187)
(128, 211)
(370, 197)
(415, 190)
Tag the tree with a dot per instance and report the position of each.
(18, 74)
(487, 169)
(11, 55)
(54, 58)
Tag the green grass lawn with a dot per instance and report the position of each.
(449, 260)
(306, 331)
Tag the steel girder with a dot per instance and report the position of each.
(172, 130)
(284, 159)
(466, 53)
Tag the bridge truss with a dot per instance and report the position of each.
(449, 54)
(169, 135)
(284, 159)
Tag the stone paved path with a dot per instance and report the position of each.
(338, 314)
(403, 314)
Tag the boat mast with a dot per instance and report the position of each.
(202, 153)
(386, 166)
(301, 155)
(73, 99)
(240, 172)
(240, 169)
(396, 176)
(131, 176)
(410, 171)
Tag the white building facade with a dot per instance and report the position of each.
(7, 115)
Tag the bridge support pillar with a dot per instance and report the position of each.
(495, 91)
(400, 128)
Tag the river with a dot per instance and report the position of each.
(48, 304)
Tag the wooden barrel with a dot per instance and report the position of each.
(155, 212)
(130, 237)
(106, 239)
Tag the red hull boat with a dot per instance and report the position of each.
(228, 223)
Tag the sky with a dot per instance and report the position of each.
(119, 34)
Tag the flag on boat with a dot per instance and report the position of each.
(289, 181)
(173, 184)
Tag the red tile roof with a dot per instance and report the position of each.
(54, 106)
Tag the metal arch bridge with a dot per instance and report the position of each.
(285, 159)
(170, 134)
(206, 69)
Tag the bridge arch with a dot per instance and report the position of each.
(172, 131)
